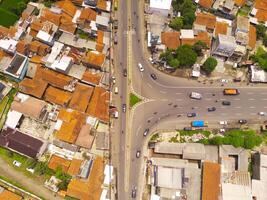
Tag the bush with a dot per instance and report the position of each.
(261, 58)
(176, 23)
(41, 168)
(209, 65)
(186, 56)
(199, 46)
(65, 179)
(260, 30)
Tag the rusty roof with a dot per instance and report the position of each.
(74, 168)
(34, 87)
(240, 2)
(39, 48)
(101, 4)
(221, 28)
(206, 19)
(204, 37)
(68, 26)
(211, 181)
(261, 4)
(57, 96)
(252, 37)
(91, 77)
(206, 3)
(8, 195)
(99, 104)
(84, 138)
(94, 58)
(171, 39)
(261, 15)
(67, 6)
(88, 14)
(59, 162)
(47, 15)
(22, 46)
(72, 122)
(81, 97)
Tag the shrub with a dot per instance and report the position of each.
(209, 65)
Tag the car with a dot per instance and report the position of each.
(222, 130)
(224, 80)
(242, 121)
(223, 122)
(262, 113)
(116, 90)
(138, 153)
(191, 114)
(16, 163)
(226, 103)
(115, 38)
(141, 68)
(124, 107)
(195, 95)
(125, 72)
(153, 76)
(113, 79)
(187, 128)
(31, 170)
(134, 192)
(210, 109)
(115, 24)
(146, 132)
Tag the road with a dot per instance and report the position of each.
(167, 97)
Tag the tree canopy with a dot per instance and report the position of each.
(186, 55)
(176, 23)
(209, 65)
(261, 58)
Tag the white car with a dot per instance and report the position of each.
(16, 163)
(262, 113)
(223, 122)
(141, 68)
(195, 95)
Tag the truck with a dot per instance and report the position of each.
(195, 95)
(231, 91)
(199, 123)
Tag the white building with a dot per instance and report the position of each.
(160, 6)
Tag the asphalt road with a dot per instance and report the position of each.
(169, 97)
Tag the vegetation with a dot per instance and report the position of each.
(174, 139)
(244, 11)
(65, 179)
(192, 132)
(209, 65)
(134, 99)
(261, 31)
(199, 46)
(176, 23)
(187, 9)
(154, 137)
(237, 138)
(261, 58)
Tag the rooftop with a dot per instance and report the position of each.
(59, 162)
(170, 39)
(57, 96)
(206, 19)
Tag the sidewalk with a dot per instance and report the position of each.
(35, 187)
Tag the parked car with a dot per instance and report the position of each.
(141, 68)
(16, 163)
(115, 38)
(153, 76)
(223, 122)
(242, 121)
(146, 132)
(187, 128)
(226, 103)
(31, 170)
(138, 153)
(195, 95)
(191, 114)
(134, 192)
(115, 24)
(125, 72)
(116, 90)
(124, 107)
(211, 109)
(222, 130)
(262, 113)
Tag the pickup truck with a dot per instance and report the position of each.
(199, 123)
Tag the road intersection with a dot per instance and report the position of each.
(166, 100)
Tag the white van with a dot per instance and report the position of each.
(116, 114)
(141, 68)
(116, 90)
(195, 95)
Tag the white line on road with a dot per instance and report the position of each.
(252, 107)
(263, 92)
(250, 93)
(236, 99)
(149, 85)
(136, 132)
(163, 92)
(179, 99)
(222, 99)
(164, 99)
(178, 93)
(238, 107)
(223, 107)
(264, 99)
(265, 107)
(251, 99)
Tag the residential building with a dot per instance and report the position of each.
(241, 29)
(224, 46)
(160, 6)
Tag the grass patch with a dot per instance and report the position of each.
(174, 139)
(244, 11)
(154, 137)
(192, 132)
(134, 99)
(7, 18)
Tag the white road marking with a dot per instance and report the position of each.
(236, 99)
(149, 85)
(136, 132)
(178, 93)
(264, 99)
(252, 107)
(223, 113)
(265, 107)
(250, 93)
(263, 92)
(164, 100)
(238, 107)
(163, 92)
(179, 99)
(223, 107)
(251, 99)
(222, 99)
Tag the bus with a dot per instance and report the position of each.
(231, 91)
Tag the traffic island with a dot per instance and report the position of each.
(134, 100)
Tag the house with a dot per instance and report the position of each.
(94, 59)
(235, 192)
(204, 22)
(259, 12)
(85, 139)
(257, 75)
(91, 77)
(8, 45)
(29, 11)
(221, 28)
(241, 27)
(57, 96)
(224, 46)
(102, 22)
(34, 87)
(160, 6)
(205, 3)
(171, 39)
(87, 15)
(39, 48)
(47, 33)
(6, 194)
(103, 5)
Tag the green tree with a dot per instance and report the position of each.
(65, 179)
(186, 56)
(199, 46)
(209, 65)
(174, 63)
(20, 7)
(176, 23)
(264, 40)
(216, 140)
(261, 58)
(42, 168)
(260, 30)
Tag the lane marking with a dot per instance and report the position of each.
(263, 93)
(178, 93)
(252, 107)
(223, 114)
(250, 93)
(164, 99)
(251, 99)
(264, 99)
(163, 92)
(238, 107)
(222, 99)
(236, 99)
(179, 99)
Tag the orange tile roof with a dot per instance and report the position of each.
(94, 58)
(81, 97)
(72, 122)
(261, 15)
(57, 96)
(67, 6)
(36, 25)
(84, 138)
(56, 162)
(211, 181)
(252, 37)
(74, 168)
(261, 4)
(36, 59)
(91, 77)
(39, 48)
(240, 2)
(204, 37)
(99, 104)
(206, 3)
(8, 195)
(206, 19)
(34, 87)
(101, 4)
(68, 26)
(171, 39)
(22, 46)
(47, 15)
(221, 28)
(4, 31)
(189, 41)
(88, 14)
(90, 189)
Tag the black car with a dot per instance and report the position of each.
(153, 76)
(226, 103)
(242, 121)
(187, 128)
(191, 114)
(134, 192)
(211, 109)
(146, 132)
(124, 107)
(125, 72)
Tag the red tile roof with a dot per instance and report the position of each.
(170, 39)
(206, 19)
(252, 37)
(206, 3)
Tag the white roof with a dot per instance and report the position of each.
(8, 44)
(57, 47)
(161, 4)
(93, 25)
(254, 11)
(42, 35)
(236, 192)
(258, 75)
(62, 64)
(102, 20)
(108, 174)
(253, 20)
(13, 118)
(169, 177)
(104, 195)
(58, 124)
(155, 197)
(189, 34)
(76, 16)
(219, 19)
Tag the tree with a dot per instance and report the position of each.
(261, 58)
(198, 46)
(21, 6)
(209, 65)
(260, 30)
(176, 23)
(65, 178)
(264, 40)
(186, 56)
(174, 63)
